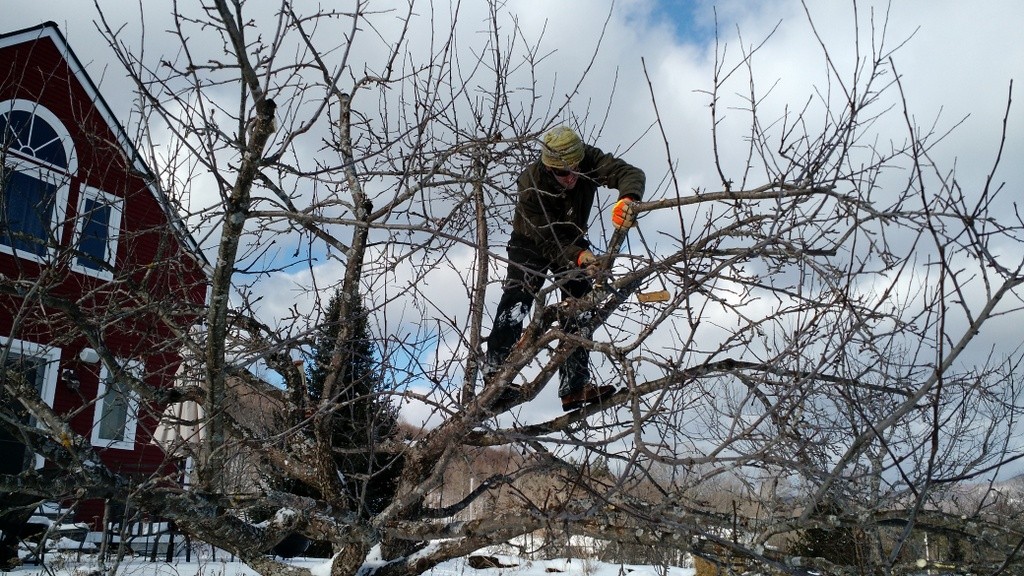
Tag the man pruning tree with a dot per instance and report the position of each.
(549, 234)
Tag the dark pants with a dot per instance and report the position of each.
(526, 274)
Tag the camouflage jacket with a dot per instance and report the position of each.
(552, 221)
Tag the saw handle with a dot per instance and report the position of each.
(614, 245)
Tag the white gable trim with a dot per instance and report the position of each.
(50, 30)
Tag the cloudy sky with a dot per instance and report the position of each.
(956, 62)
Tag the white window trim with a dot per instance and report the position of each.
(51, 362)
(60, 206)
(113, 230)
(136, 369)
(8, 106)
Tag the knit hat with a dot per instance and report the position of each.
(562, 148)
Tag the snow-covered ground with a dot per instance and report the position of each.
(57, 565)
(71, 552)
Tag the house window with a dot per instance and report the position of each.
(96, 232)
(37, 364)
(37, 158)
(117, 408)
(29, 223)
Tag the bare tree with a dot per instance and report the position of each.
(812, 362)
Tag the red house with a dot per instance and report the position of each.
(98, 274)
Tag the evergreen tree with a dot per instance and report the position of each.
(364, 415)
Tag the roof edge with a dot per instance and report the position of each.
(11, 38)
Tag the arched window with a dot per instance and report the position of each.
(37, 158)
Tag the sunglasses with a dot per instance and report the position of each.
(563, 172)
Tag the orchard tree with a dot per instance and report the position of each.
(814, 351)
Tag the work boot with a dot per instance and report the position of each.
(589, 394)
(510, 394)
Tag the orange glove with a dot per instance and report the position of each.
(588, 262)
(622, 213)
